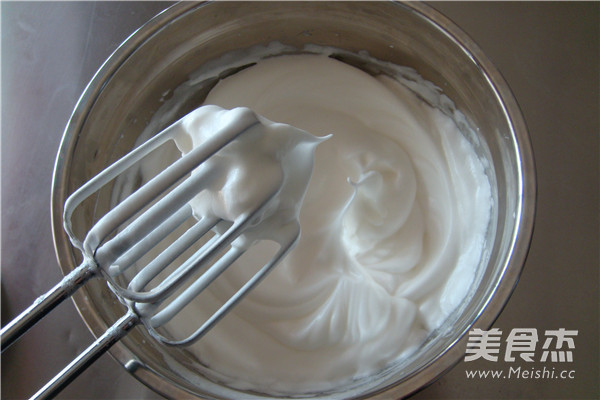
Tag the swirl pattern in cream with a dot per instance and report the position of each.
(393, 227)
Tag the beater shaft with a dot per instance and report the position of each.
(87, 358)
(45, 303)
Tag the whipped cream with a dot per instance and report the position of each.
(262, 175)
(393, 222)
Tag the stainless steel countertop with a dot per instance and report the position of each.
(548, 53)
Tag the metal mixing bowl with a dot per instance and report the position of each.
(131, 85)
